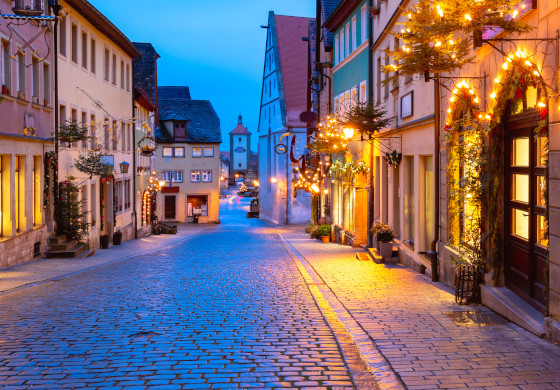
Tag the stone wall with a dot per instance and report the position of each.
(19, 249)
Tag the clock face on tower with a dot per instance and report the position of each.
(240, 149)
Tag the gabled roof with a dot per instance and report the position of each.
(203, 124)
(145, 70)
(327, 8)
(142, 97)
(240, 129)
(293, 56)
(174, 92)
(104, 25)
(340, 14)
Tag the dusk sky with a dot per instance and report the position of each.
(216, 48)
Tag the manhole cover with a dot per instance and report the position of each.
(144, 334)
(475, 318)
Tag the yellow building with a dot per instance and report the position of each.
(95, 91)
(187, 158)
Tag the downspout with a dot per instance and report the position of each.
(318, 52)
(56, 10)
(287, 182)
(134, 152)
(371, 141)
(436, 173)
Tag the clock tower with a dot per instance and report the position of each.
(240, 151)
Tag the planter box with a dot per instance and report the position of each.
(325, 239)
(386, 249)
(104, 241)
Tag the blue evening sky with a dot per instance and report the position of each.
(214, 47)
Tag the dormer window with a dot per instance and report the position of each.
(180, 129)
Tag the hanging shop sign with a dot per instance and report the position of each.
(281, 149)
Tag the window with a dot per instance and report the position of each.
(336, 50)
(341, 55)
(173, 176)
(122, 74)
(378, 79)
(4, 205)
(173, 152)
(363, 92)
(128, 77)
(409, 199)
(93, 130)
(197, 152)
(35, 82)
(364, 22)
(62, 36)
(115, 134)
(124, 137)
(46, 84)
(353, 97)
(92, 68)
(354, 34)
(93, 204)
(62, 113)
(207, 176)
(37, 200)
(167, 152)
(127, 202)
(6, 66)
(84, 50)
(84, 202)
(107, 134)
(114, 70)
(208, 152)
(386, 87)
(347, 40)
(119, 195)
(195, 176)
(21, 75)
(106, 65)
(19, 192)
(428, 208)
(180, 129)
(84, 124)
(74, 43)
(239, 165)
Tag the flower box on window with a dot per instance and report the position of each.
(21, 95)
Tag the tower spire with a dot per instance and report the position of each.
(239, 119)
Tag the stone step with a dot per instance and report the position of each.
(56, 239)
(85, 254)
(61, 247)
(505, 302)
(72, 252)
(363, 256)
(376, 257)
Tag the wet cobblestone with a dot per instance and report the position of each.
(227, 309)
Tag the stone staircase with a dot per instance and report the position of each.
(61, 247)
(165, 228)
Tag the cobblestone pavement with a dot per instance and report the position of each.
(226, 309)
(411, 321)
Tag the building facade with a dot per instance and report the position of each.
(96, 92)
(187, 158)
(26, 136)
(145, 114)
(282, 134)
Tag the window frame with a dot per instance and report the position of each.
(196, 148)
(208, 148)
(196, 175)
(208, 174)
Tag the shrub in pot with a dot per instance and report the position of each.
(324, 231)
(104, 241)
(314, 231)
(384, 236)
(117, 238)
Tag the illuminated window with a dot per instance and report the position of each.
(208, 152)
(173, 176)
(207, 176)
(197, 152)
(195, 176)
(167, 152)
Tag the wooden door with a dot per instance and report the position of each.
(525, 243)
(170, 207)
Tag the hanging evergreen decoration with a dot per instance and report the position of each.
(367, 118)
(309, 175)
(72, 132)
(91, 164)
(393, 159)
(347, 171)
(437, 36)
(69, 217)
(50, 176)
(329, 138)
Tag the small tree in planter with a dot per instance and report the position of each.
(69, 216)
(314, 231)
(117, 237)
(384, 236)
(324, 232)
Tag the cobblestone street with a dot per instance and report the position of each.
(227, 309)
(244, 304)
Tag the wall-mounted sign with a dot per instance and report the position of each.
(281, 149)
(240, 149)
(407, 105)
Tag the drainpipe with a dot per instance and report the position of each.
(433, 249)
(134, 151)
(287, 181)
(370, 98)
(56, 10)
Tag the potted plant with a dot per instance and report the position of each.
(117, 237)
(104, 240)
(374, 228)
(4, 89)
(384, 236)
(324, 232)
(314, 231)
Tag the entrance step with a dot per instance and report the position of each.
(85, 254)
(374, 254)
(56, 239)
(505, 302)
(363, 256)
(69, 253)
(61, 247)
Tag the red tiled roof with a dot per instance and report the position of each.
(240, 130)
(293, 53)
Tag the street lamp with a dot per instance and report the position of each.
(348, 132)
